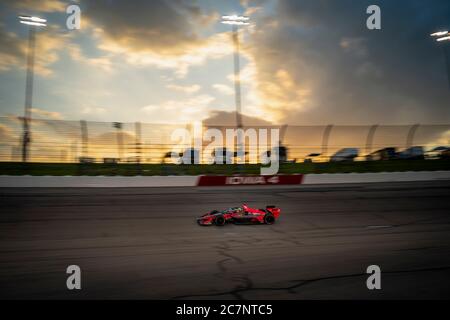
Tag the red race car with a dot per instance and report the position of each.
(240, 215)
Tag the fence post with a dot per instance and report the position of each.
(282, 133)
(281, 142)
(411, 134)
(137, 129)
(118, 126)
(84, 138)
(369, 140)
(325, 139)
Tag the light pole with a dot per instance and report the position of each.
(33, 23)
(444, 37)
(236, 21)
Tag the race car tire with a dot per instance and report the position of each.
(219, 221)
(269, 219)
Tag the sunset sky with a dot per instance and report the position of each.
(303, 62)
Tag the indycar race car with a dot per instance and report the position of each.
(240, 215)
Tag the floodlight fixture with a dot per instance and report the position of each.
(33, 21)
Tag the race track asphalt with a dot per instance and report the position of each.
(143, 243)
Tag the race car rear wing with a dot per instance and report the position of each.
(274, 210)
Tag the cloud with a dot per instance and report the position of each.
(37, 6)
(188, 110)
(93, 110)
(40, 113)
(224, 118)
(320, 64)
(12, 51)
(223, 89)
(215, 47)
(185, 89)
(165, 34)
(162, 27)
(355, 46)
(305, 61)
(49, 44)
(103, 63)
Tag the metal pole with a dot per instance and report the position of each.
(237, 90)
(370, 136)
(411, 134)
(325, 139)
(28, 93)
(237, 78)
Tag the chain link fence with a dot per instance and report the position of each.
(61, 141)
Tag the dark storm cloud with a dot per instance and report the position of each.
(352, 74)
(163, 27)
(29, 6)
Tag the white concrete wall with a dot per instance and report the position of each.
(191, 181)
(96, 181)
(326, 178)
